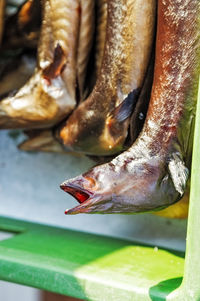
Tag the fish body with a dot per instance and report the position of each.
(45, 140)
(153, 173)
(95, 127)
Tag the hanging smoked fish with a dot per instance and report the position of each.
(99, 125)
(153, 173)
(50, 95)
(45, 140)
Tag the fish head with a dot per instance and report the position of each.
(130, 187)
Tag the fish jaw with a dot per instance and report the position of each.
(90, 202)
(76, 188)
(135, 186)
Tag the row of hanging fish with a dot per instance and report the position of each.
(116, 78)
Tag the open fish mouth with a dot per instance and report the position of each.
(76, 192)
(81, 195)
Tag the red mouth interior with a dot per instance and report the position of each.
(80, 195)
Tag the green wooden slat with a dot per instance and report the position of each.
(87, 266)
(192, 269)
(190, 288)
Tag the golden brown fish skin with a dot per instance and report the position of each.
(86, 34)
(153, 173)
(49, 96)
(45, 53)
(65, 22)
(45, 140)
(2, 9)
(91, 128)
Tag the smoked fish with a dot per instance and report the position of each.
(99, 125)
(153, 173)
(50, 95)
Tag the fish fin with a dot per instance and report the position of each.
(178, 172)
(125, 109)
(57, 66)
